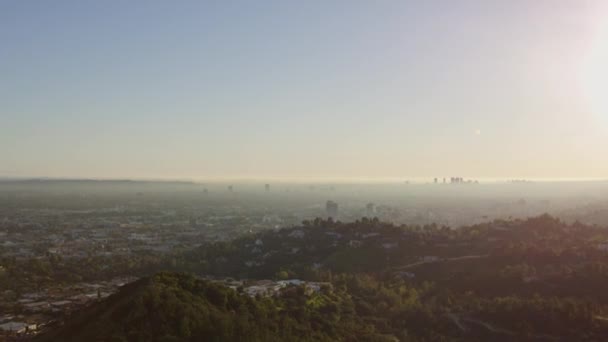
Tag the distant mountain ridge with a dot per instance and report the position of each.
(60, 181)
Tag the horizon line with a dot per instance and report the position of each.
(305, 180)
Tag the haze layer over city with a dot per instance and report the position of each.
(304, 171)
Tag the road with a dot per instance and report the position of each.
(459, 321)
(464, 257)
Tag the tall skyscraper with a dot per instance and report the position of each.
(267, 187)
(332, 209)
(370, 210)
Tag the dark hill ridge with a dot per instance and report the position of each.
(373, 246)
(180, 307)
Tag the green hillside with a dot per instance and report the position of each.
(179, 307)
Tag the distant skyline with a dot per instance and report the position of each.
(313, 90)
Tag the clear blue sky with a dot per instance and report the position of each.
(316, 89)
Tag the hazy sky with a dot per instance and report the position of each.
(255, 89)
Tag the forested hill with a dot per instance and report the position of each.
(180, 307)
(531, 280)
(541, 247)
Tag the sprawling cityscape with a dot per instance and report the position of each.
(67, 244)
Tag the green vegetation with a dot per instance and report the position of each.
(538, 279)
(179, 307)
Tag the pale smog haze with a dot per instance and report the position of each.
(316, 90)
